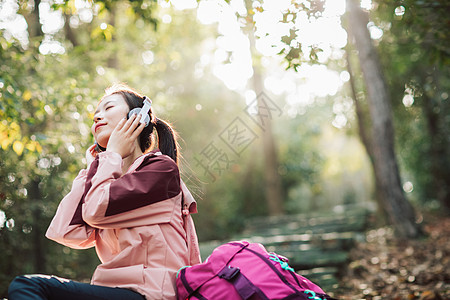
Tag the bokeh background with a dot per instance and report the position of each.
(282, 107)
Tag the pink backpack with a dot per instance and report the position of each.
(243, 270)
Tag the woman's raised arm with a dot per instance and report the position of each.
(67, 227)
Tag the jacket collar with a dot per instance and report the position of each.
(141, 158)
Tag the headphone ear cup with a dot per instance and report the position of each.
(136, 111)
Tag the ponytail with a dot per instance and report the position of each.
(167, 139)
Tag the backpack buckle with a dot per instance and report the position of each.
(228, 272)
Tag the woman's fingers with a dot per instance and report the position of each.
(134, 123)
(130, 124)
(93, 151)
(137, 131)
(91, 148)
(124, 135)
(135, 128)
(120, 125)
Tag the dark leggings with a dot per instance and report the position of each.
(34, 287)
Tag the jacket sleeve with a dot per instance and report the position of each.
(134, 199)
(66, 227)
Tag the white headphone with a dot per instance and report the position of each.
(145, 117)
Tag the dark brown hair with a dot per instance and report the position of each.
(166, 136)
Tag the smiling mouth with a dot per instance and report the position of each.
(98, 126)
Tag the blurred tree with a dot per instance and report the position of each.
(401, 214)
(272, 181)
(37, 107)
(364, 127)
(413, 49)
(301, 163)
(30, 10)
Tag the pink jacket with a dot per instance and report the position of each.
(136, 222)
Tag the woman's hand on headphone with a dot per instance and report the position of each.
(123, 139)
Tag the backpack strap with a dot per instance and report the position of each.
(246, 288)
(243, 286)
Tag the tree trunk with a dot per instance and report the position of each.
(34, 26)
(365, 136)
(401, 213)
(438, 152)
(274, 196)
(113, 61)
(68, 31)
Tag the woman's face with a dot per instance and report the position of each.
(110, 111)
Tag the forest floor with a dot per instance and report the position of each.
(383, 267)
